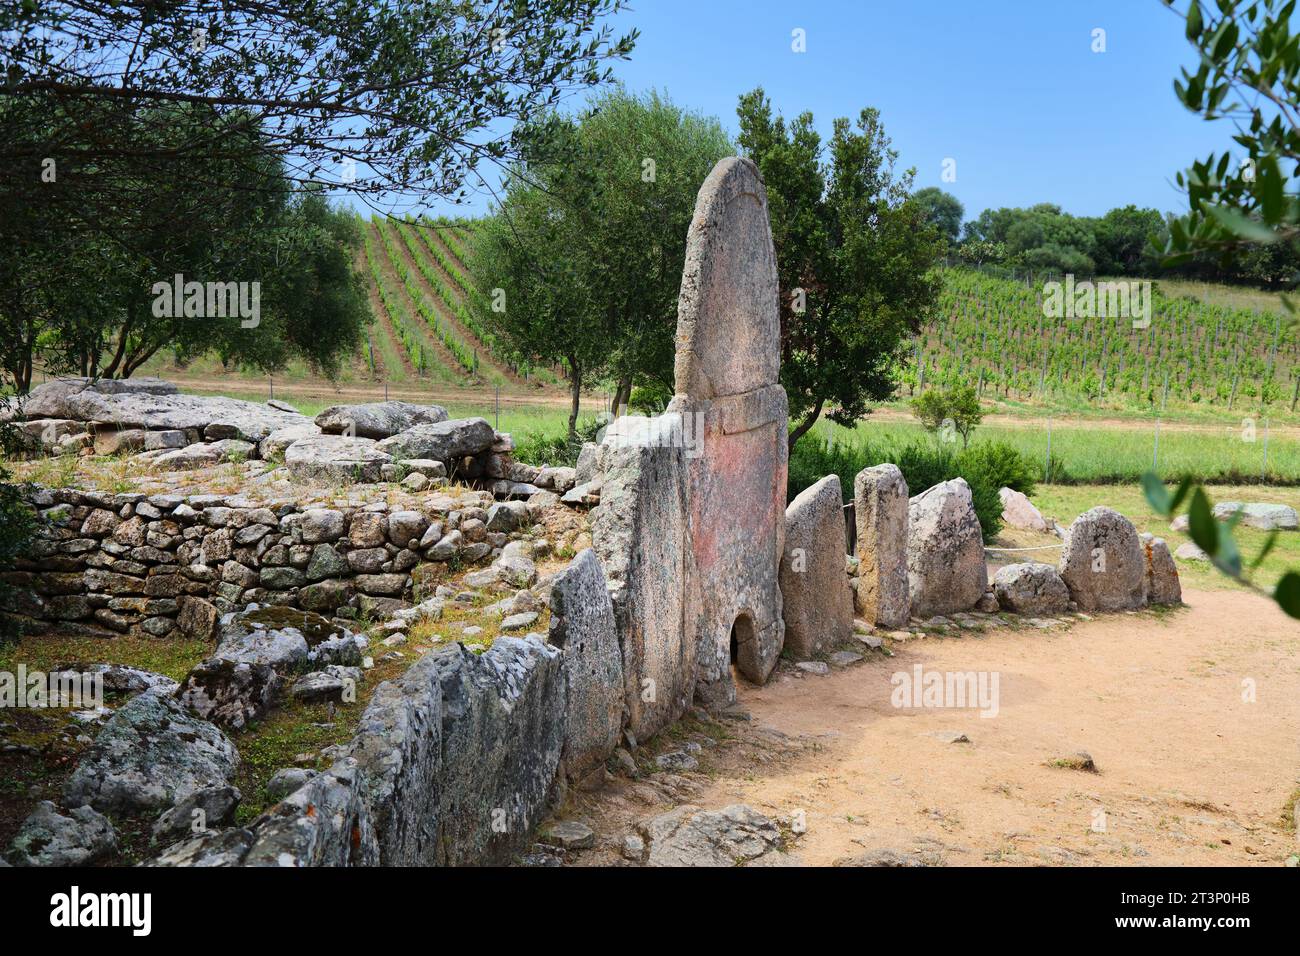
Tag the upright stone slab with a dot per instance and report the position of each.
(946, 571)
(638, 532)
(582, 624)
(1163, 586)
(1103, 563)
(734, 414)
(817, 603)
(880, 511)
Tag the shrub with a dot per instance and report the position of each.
(18, 524)
(813, 459)
(554, 448)
(923, 465)
(1002, 465)
(650, 399)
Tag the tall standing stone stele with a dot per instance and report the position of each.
(734, 413)
(691, 520)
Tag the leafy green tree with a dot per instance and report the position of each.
(942, 210)
(1123, 240)
(536, 292)
(854, 254)
(143, 141)
(979, 251)
(77, 297)
(956, 408)
(603, 204)
(415, 93)
(1248, 73)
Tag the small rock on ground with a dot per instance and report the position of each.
(569, 835)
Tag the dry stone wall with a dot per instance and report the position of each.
(154, 565)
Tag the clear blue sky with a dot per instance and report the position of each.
(1010, 89)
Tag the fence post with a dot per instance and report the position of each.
(1155, 459)
(498, 408)
(1047, 468)
(1264, 473)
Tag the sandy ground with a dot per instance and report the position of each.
(1189, 773)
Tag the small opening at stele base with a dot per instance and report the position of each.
(742, 630)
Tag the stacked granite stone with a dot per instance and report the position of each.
(150, 565)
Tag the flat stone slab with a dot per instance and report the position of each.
(1264, 516)
(690, 836)
(569, 835)
(377, 419)
(335, 458)
(156, 405)
(441, 441)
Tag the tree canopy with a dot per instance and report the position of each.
(76, 292)
(410, 94)
(855, 258)
(943, 210)
(588, 244)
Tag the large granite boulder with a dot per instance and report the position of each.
(116, 678)
(1019, 512)
(582, 624)
(50, 837)
(155, 405)
(453, 764)
(1264, 516)
(52, 399)
(241, 640)
(817, 602)
(275, 444)
(377, 419)
(230, 693)
(1102, 562)
(946, 572)
(199, 455)
(1031, 588)
(150, 755)
(334, 458)
(880, 511)
(258, 651)
(442, 441)
(1163, 586)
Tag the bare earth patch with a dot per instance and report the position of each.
(1188, 773)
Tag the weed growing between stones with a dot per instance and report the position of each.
(299, 734)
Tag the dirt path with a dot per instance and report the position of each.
(1189, 774)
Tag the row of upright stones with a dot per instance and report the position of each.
(708, 569)
(923, 557)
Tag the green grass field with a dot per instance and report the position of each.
(1114, 452)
